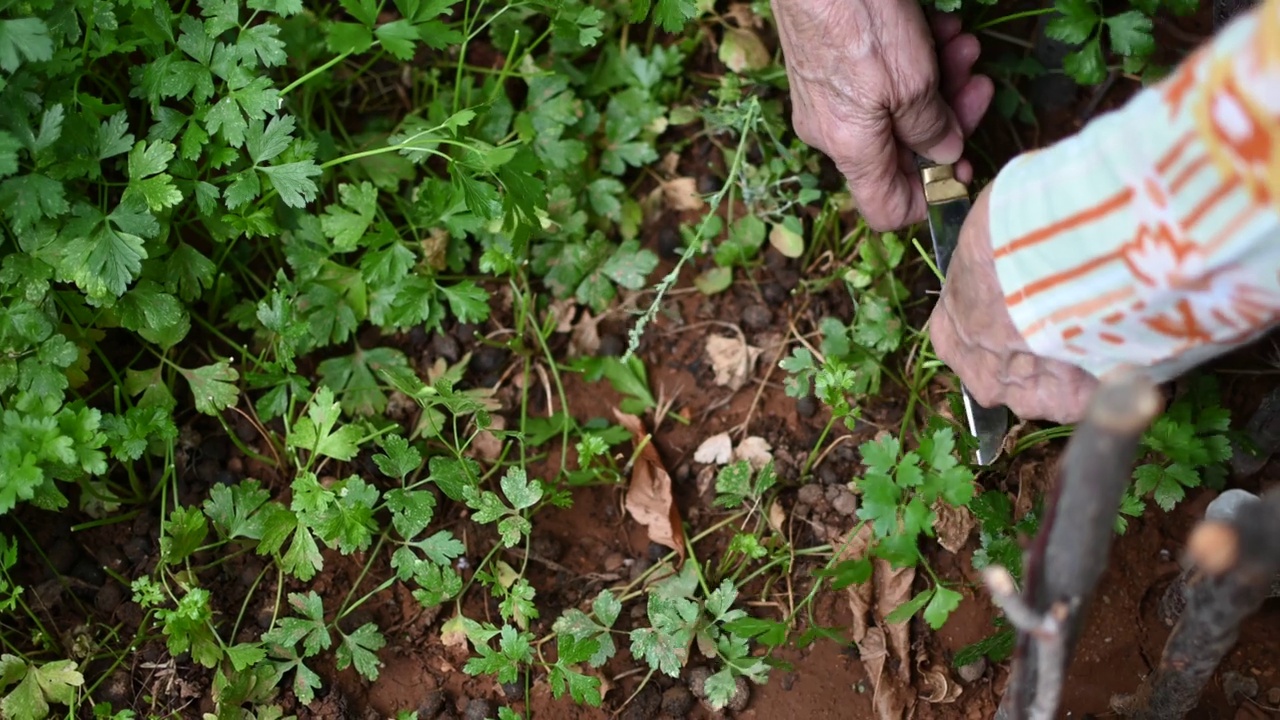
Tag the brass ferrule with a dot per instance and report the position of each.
(941, 185)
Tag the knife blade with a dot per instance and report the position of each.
(948, 202)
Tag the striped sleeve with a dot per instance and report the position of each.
(1152, 237)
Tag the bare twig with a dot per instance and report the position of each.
(1069, 555)
(1235, 562)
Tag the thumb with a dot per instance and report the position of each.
(930, 128)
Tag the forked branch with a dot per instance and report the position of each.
(1063, 566)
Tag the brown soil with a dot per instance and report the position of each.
(593, 545)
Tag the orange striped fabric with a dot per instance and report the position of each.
(1152, 237)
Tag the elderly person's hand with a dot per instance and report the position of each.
(865, 90)
(974, 335)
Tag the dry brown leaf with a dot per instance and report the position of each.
(585, 340)
(878, 641)
(893, 588)
(487, 446)
(937, 688)
(715, 450)
(745, 16)
(891, 699)
(650, 497)
(777, 517)
(861, 595)
(563, 311)
(681, 194)
(954, 525)
(742, 50)
(732, 359)
(435, 246)
(706, 479)
(936, 684)
(755, 450)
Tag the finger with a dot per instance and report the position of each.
(956, 60)
(888, 195)
(929, 128)
(945, 26)
(972, 101)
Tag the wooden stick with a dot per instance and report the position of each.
(1235, 562)
(1069, 555)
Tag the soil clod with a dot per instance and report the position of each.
(645, 705)
(478, 709)
(677, 701)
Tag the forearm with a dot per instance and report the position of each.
(1152, 237)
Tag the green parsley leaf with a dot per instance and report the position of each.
(522, 492)
(53, 682)
(316, 432)
(347, 225)
(309, 629)
(467, 301)
(359, 649)
(940, 607)
(1086, 65)
(1130, 33)
(1075, 22)
(400, 458)
(184, 532)
(348, 521)
(906, 610)
(213, 386)
(234, 509)
(24, 39)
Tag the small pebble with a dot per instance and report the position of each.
(741, 695)
(431, 704)
(807, 406)
(810, 494)
(446, 346)
(670, 244)
(465, 332)
(1237, 687)
(512, 691)
(207, 470)
(844, 502)
(547, 548)
(137, 549)
(698, 682)
(645, 705)
(774, 293)
(613, 562)
(611, 345)
(1273, 697)
(488, 359)
(974, 671)
(88, 570)
(677, 701)
(108, 598)
(683, 473)
(757, 317)
(828, 474)
(478, 709)
(62, 555)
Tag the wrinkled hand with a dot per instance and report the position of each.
(865, 90)
(974, 335)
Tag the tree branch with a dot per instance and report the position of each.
(1235, 562)
(1069, 555)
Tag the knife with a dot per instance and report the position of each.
(949, 203)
